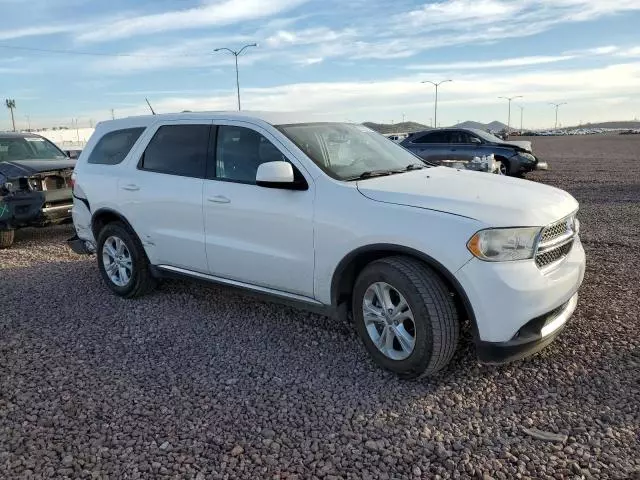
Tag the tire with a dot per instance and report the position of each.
(140, 281)
(504, 167)
(6, 238)
(435, 322)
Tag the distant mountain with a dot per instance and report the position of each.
(402, 127)
(624, 124)
(494, 126)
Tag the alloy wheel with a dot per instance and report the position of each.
(117, 261)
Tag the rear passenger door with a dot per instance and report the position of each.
(257, 235)
(432, 146)
(462, 146)
(161, 193)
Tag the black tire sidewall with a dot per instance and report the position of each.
(381, 272)
(137, 256)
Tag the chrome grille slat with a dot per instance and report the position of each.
(556, 241)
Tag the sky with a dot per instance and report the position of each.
(362, 60)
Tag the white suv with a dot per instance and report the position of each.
(335, 217)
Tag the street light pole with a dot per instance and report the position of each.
(509, 117)
(236, 54)
(521, 115)
(557, 105)
(435, 107)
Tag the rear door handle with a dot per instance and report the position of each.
(131, 187)
(219, 199)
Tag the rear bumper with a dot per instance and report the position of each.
(530, 339)
(79, 246)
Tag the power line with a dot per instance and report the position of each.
(97, 54)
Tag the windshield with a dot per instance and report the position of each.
(347, 151)
(489, 137)
(28, 148)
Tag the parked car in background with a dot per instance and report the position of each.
(35, 184)
(516, 157)
(73, 153)
(336, 218)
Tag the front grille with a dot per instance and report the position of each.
(556, 230)
(547, 258)
(556, 241)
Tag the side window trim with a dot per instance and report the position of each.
(210, 167)
(132, 147)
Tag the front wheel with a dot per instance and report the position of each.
(123, 263)
(6, 238)
(405, 316)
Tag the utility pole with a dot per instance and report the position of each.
(403, 116)
(28, 123)
(521, 115)
(557, 105)
(435, 107)
(11, 104)
(113, 117)
(236, 54)
(509, 117)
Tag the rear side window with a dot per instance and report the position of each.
(433, 137)
(114, 146)
(178, 150)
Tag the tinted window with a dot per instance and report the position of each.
(114, 146)
(178, 150)
(433, 137)
(240, 151)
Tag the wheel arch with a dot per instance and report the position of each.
(351, 265)
(103, 216)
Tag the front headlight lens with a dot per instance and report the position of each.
(528, 156)
(504, 244)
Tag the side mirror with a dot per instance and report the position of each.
(277, 175)
(476, 141)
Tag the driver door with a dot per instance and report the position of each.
(256, 235)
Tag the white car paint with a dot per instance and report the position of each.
(291, 243)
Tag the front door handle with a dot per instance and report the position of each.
(131, 187)
(219, 199)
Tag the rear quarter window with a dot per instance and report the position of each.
(113, 147)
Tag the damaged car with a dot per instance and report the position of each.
(464, 144)
(35, 184)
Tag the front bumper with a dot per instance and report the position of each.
(530, 339)
(509, 299)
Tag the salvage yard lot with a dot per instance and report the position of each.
(204, 382)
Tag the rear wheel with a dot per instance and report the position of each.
(405, 316)
(6, 238)
(123, 263)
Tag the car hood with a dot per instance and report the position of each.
(525, 145)
(494, 200)
(26, 168)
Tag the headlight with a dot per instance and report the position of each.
(527, 156)
(504, 244)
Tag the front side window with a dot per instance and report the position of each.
(346, 151)
(240, 151)
(113, 147)
(28, 148)
(178, 150)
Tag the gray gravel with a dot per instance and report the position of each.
(202, 382)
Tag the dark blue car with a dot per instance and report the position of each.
(463, 144)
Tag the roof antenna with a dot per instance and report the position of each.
(150, 107)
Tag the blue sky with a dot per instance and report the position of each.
(358, 60)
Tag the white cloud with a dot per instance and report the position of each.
(219, 13)
(507, 62)
(35, 31)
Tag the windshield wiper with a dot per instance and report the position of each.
(414, 166)
(372, 173)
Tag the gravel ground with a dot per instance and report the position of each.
(202, 382)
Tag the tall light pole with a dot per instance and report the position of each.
(11, 104)
(557, 105)
(236, 54)
(28, 122)
(509, 117)
(521, 115)
(435, 107)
